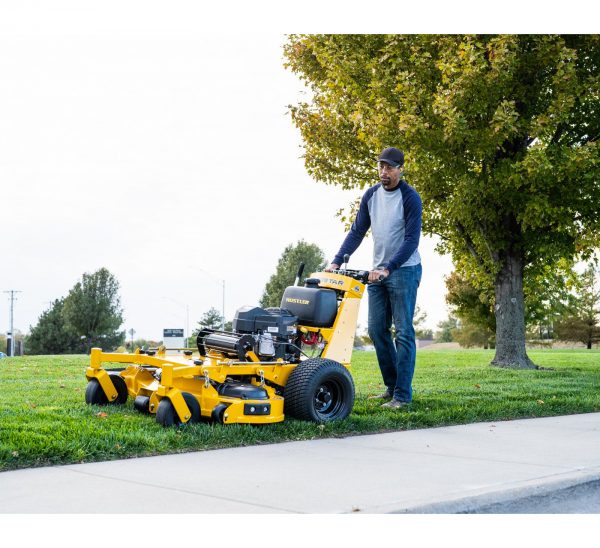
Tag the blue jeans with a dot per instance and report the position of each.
(394, 300)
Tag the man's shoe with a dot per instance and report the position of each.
(387, 395)
(395, 404)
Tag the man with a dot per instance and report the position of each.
(393, 211)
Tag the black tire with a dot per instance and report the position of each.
(142, 404)
(167, 416)
(218, 413)
(121, 387)
(94, 395)
(194, 406)
(319, 390)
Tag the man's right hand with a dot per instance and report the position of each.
(332, 267)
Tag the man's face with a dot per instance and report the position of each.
(388, 175)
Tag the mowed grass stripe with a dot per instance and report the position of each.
(44, 419)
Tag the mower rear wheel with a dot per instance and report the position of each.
(167, 416)
(319, 390)
(94, 394)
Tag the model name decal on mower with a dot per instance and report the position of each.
(331, 281)
(297, 301)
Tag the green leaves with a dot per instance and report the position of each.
(90, 315)
(494, 127)
(302, 252)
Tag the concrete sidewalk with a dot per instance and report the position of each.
(444, 470)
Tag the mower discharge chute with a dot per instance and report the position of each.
(291, 360)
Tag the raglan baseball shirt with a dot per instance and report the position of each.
(394, 217)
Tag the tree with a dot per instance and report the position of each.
(474, 308)
(310, 254)
(51, 334)
(418, 320)
(469, 335)
(446, 328)
(211, 319)
(92, 309)
(501, 134)
(582, 321)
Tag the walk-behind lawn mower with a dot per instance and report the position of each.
(292, 360)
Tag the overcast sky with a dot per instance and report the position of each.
(140, 140)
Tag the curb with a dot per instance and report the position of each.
(530, 488)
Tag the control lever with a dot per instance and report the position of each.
(299, 274)
(346, 259)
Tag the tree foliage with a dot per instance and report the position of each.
(470, 304)
(582, 321)
(92, 310)
(446, 329)
(469, 335)
(211, 319)
(51, 334)
(418, 323)
(501, 134)
(287, 267)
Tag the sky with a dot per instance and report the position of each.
(168, 158)
(157, 143)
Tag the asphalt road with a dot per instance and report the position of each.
(578, 499)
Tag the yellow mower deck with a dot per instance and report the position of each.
(152, 377)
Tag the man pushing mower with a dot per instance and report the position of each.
(393, 211)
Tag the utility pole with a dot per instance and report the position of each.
(11, 336)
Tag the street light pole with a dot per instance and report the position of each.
(132, 333)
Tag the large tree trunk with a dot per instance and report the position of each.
(510, 316)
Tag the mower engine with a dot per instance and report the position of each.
(271, 333)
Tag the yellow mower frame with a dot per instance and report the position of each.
(189, 384)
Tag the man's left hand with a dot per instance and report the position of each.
(374, 275)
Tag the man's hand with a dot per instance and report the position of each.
(374, 275)
(332, 267)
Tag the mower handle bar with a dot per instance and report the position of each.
(360, 275)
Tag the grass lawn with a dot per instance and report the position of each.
(44, 419)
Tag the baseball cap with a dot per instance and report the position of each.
(392, 156)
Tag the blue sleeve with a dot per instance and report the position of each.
(359, 228)
(413, 212)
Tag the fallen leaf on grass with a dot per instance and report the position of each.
(102, 414)
(540, 402)
(478, 386)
